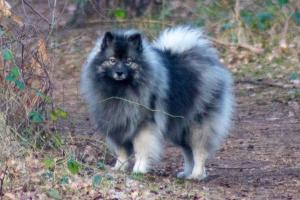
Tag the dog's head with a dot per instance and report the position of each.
(120, 58)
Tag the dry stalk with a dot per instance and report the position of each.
(2, 177)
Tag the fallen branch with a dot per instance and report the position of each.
(249, 47)
(149, 21)
(266, 83)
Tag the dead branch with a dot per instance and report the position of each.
(36, 12)
(94, 22)
(265, 83)
(249, 47)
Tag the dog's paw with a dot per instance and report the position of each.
(198, 177)
(140, 168)
(182, 175)
(120, 166)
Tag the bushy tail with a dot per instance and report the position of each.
(183, 38)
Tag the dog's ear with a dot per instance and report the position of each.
(135, 41)
(107, 40)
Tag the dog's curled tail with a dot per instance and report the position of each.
(183, 38)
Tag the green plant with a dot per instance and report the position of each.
(74, 166)
(53, 193)
(137, 176)
(119, 14)
(96, 180)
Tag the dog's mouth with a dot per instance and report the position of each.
(119, 77)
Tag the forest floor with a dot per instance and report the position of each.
(259, 160)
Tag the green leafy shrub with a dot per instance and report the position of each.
(28, 108)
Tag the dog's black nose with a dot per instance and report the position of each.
(119, 73)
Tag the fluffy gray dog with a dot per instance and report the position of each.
(141, 93)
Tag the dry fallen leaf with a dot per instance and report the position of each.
(41, 57)
(5, 12)
(4, 9)
(10, 196)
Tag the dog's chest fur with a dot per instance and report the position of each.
(120, 117)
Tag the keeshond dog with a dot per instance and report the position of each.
(141, 94)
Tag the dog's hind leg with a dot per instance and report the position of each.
(201, 136)
(148, 145)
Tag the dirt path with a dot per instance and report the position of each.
(259, 160)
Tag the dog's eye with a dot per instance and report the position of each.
(128, 61)
(112, 60)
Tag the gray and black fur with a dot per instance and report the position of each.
(175, 88)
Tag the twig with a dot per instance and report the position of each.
(22, 55)
(2, 177)
(36, 12)
(249, 47)
(53, 20)
(146, 107)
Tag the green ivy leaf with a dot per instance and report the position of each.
(109, 177)
(97, 180)
(53, 193)
(7, 55)
(119, 14)
(282, 2)
(10, 78)
(38, 93)
(264, 20)
(296, 18)
(100, 164)
(20, 85)
(73, 166)
(64, 180)
(227, 26)
(247, 17)
(58, 113)
(49, 163)
(293, 76)
(14, 74)
(2, 32)
(36, 117)
(15, 71)
(48, 175)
